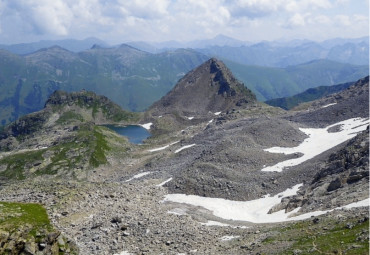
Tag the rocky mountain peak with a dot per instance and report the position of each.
(211, 87)
(83, 98)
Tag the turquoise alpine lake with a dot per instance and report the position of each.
(136, 134)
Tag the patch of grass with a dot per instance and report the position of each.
(100, 147)
(87, 147)
(15, 164)
(327, 238)
(14, 215)
(68, 117)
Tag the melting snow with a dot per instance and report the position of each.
(147, 125)
(228, 238)
(215, 223)
(328, 105)
(190, 118)
(163, 183)
(252, 211)
(217, 113)
(138, 176)
(319, 140)
(185, 147)
(163, 148)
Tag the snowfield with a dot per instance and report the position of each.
(319, 140)
(255, 211)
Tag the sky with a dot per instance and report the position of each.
(118, 21)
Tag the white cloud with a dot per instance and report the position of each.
(321, 20)
(296, 20)
(157, 20)
(343, 20)
(54, 17)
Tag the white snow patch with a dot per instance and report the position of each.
(147, 125)
(361, 203)
(328, 105)
(159, 149)
(253, 211)
(228, 238)
(209, 122)
(163, 183)
(163, 148)
(160, 116)
(217, 113)
(137, 176)
(185, 147)
(319, 140)
(190, 118)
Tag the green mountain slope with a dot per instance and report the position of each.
(132, 78)
(269, 82)
(64, 137)
(311, 94)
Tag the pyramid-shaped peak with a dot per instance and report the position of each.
(211, 87)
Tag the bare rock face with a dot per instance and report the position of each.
(209, 88)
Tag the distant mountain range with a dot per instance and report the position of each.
(292, 53)
(274, 53)
(132, 78)
(135, 78)
(68, 44)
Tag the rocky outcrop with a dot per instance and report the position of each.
(45, 242)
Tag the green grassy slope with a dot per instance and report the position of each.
(269, 82)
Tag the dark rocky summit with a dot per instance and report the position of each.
(209, 88)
